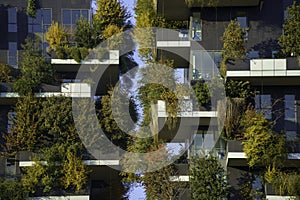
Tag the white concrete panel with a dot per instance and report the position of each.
(256, 64)
(238, 73)
(280, 64)
(268, 64)
(256, 73)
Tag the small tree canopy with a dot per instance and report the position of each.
(290, 39)
(57, 37)
(207, 179)
(263, 146)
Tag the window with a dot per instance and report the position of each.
(205, 63)
(42, 22)
(10, 125)
(196, 26)
(290, 117)
(290, 107)
(12, 53)
(242, 21)
(70, 17)
(12, 20)
(263, 105)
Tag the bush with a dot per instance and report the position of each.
(202, 93)
(12, 190)
(5, 73)
(31, 8)
(263, 147)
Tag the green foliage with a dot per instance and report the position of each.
(202, 93)
(63, 168)
(5, 73)
(108, 120)
(77, 53)
(41, 123)
(238, 89)
(207, 179)
(24, 134)
(284, 182)
(262, 146)
(159, 186)
(233, 47)
(12, 190)
(109, 12)
(233, 44)
(235, 109)
(34, 68)
(75, 172)
(150, 93)
(290, 39)
(32, 176)
(146, 18)
(57, 37)
(31, 8)
(84, 34)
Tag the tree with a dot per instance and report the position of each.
(24, 134)
(34, 68)
(207, 179)
(202, 93)
(5, 73)
(108, 120)
(40, 123)
(263, 147)
(233, 44)
(290, 39)
(31, 8)
(58, 39)
(12, 190)
(75, 172)
(84, 34)
(109, 12)
(62, 169)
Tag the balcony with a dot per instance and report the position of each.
(111, 158)
(284, 71)
(188, 109)
(236, 156)
(174, 45)
(45, 90)
(71, 65)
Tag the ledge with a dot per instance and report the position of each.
(184, 178)
(173, 44)
(86, 162)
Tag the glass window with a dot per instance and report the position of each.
(10, 125)
(291, 135)
(12, 15)
(84, 14)
(204, 63)
(47, 18)
(70, 17)
(12, 53)
(242, 21)
(42, 21)
(75, 16)
(290, 107)
(12, 20)
(263, 105)
(196, 26)
(66, 16)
